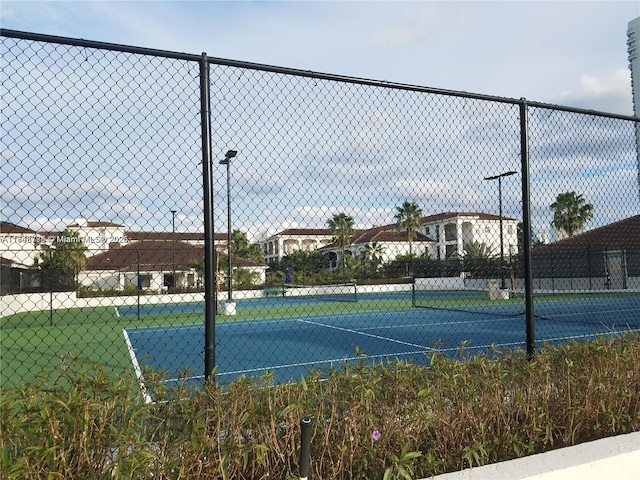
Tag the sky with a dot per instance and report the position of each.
(569, 53)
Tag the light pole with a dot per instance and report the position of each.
(499, 177)
(173, 247)
(227, 161)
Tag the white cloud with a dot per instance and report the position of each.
(336, 148)
(610, 92)
(411, 28)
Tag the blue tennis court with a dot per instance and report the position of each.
(289, 347)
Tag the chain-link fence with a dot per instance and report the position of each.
(180, 213)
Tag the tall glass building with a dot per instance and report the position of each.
(633, 51)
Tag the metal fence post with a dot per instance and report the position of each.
(305, 446)
(210, 293)
(526, 219)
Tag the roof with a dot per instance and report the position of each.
(154, 255)
(8, 227)
(378, 235)
(392, 226)
(94, 224)
(305, 231)
(439, 217)
(621, 234)
(181, 236)
(480, 215)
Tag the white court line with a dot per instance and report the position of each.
(591, 312)
(301, 364)
(379, 337)
(136, 367)
(438, 324)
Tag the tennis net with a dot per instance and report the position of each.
(481, 301)
(339, 292)
(608, 308)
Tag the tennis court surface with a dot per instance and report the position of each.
(290, 346)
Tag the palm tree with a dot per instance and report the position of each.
(571, 212)
(476, 259)
(67, 254)
(409, 217)
(477, 250)
(373, 253)
(341, 227)
(241, 247)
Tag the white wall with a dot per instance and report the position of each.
(615, 458)
(11, 304)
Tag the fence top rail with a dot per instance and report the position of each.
(297, 72)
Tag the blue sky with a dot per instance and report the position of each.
(570, 53)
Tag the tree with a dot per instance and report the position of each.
(241, 247)
(570, 213)
(66, 257)
(477, 250)
(409, 217)
(341, 227)
(66, 253)
(373, 256)
(479, 260)
(243, 277)
(198, 266)
(303, 261)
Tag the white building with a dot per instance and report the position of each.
(287, 241)
(154, 264)
(392, 243)
(98, 237)
(443, 236)
(19, 246)
(633, 52)
(117, 258)
(452, 231)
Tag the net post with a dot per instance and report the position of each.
(305, 446)
(413, 292)
(413, 295)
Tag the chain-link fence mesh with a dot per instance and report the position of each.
(364, 221)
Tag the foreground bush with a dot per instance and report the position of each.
(392, 421)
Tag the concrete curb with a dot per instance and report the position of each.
(614, 457)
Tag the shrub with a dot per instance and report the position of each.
(392, 420)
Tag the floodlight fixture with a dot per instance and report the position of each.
(506, 174)
(228, 156)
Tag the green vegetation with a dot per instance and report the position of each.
(341, 227)
(409, 218)
(394, 420)
(571, 213)
(67, 253)
(373, 255)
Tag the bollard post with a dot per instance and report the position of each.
(305, 443)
